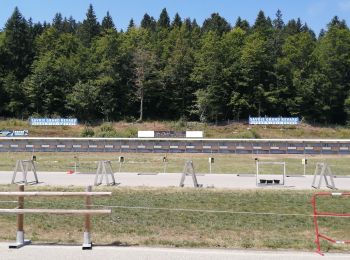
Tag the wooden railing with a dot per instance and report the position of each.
(87, 212)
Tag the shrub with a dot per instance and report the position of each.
(107, 130)
(87, 132)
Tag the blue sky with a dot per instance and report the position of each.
(316, 13)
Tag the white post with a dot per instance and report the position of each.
(165, 165)
(211, 161)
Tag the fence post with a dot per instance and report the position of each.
(20, 223)
(87, 222)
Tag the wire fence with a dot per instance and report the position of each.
(261, 219)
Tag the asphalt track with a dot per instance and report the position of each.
(58, 252)
(231, 181)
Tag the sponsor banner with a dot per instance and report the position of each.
(145, 134)
(194, 134)
(273, 120)
(53, 121)
(169, 134)
(9, 133)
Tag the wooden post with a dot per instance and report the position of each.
(87, 223)
(20, 217)
(20, 223)
(88, 206)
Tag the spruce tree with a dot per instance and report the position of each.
(217, 24)
(107, 23)
(90, 27)
(18, 45)
(164, 20)
(57, 22)
(131, 24)
(262, 23)
(148, 22)
(177, 22)
(243, 24)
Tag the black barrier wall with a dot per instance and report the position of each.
(177, 145)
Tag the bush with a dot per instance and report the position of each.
(131, 132)
(106, 127)
(255, 134)
(107, 130)
(87, 132)
(179, 125)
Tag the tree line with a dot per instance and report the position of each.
(174, 69)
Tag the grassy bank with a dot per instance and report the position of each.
(234, 130)
(161, 225)
(234, 164)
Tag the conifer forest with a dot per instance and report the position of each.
(170, 68)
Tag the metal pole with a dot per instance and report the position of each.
(317, 240)
(87, 222)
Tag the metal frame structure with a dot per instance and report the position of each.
(323, 171)
(271, 163)
(318, 214)
(189, 170)
(104, 169)
(24, 166)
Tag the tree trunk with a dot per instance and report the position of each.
(141, 105)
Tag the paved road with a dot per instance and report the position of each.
(173, 179)
(44, 252)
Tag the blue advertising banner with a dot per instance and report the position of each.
(273, 120)
(9, 133)
(53, 121)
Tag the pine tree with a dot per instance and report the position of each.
(164, 20)
(69, 25)
(57, 22)
(278, 22)
(148, 22)
(90, 27)
(262, 24)
(293, 27)
(188, 24)
(107, 23)
(243, 24)
(217, 24)
(18, 45)
(131, 24)
(177, 22)
(194, 24)
(341, 24)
